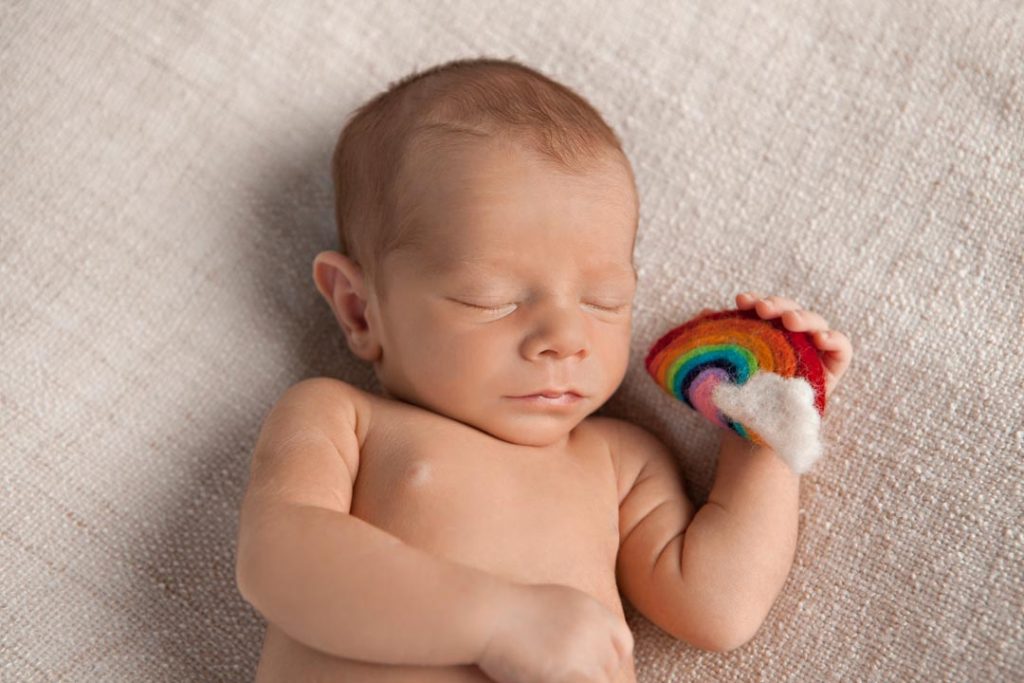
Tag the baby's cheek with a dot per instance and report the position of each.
(458, 369)
(616, 363)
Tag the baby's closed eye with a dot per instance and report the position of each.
(488, 308)
(610, 308)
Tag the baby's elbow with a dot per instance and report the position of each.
(728, 636)
(719, 644)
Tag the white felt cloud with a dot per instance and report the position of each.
(781, 410)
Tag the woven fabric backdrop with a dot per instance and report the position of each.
(165, 186)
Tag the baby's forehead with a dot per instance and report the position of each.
(486, 187)
(500, 202)
(437, 156)
(485, 260)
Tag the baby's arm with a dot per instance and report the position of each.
(710, 578)
(331, 580)
(741, 543)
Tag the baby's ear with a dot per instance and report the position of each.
(340, 281)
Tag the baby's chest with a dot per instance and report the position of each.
(524, 519)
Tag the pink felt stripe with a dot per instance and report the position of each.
(700, 393)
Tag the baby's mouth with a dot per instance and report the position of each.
(549, 398)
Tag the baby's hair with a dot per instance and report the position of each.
(450, 104)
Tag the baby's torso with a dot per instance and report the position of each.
(517, 512)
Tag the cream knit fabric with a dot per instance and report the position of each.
(165, 186)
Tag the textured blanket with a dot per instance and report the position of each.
(165, 186)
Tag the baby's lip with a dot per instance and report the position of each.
(551, 393)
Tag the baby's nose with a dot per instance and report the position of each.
(560, 331)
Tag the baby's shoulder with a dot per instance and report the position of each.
(341, 404)
(629, 445)
(606, 433)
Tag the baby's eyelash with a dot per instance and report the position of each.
(610, 309)
(490, 308)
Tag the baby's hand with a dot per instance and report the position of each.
(555, 634)
(835, 348)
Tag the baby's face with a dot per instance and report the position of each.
(524, 283)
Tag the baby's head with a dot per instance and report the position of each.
(487, 217)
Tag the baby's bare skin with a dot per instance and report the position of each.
(526, 514)
(523, 282)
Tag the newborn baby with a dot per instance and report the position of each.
(476, 522)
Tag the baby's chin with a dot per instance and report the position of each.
(537, 429)
(507, 420)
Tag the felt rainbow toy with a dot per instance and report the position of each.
(749, 375)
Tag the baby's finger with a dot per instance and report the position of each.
(745, 300)
(798, 320)
(838, 351)
(774, 306)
